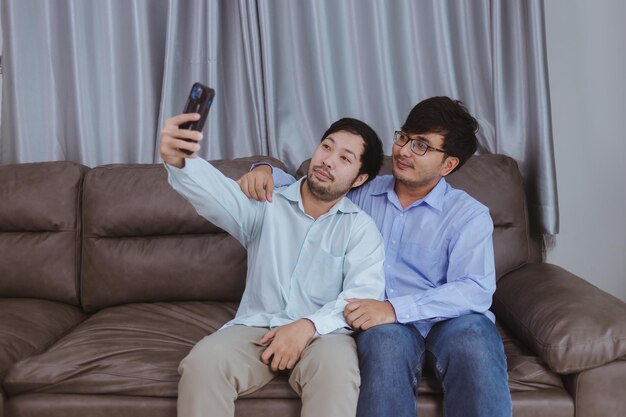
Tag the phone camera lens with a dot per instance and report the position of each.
(196, 93)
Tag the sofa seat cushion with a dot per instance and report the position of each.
(30, 326)
(133, 349)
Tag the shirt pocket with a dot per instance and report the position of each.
(425, 261)
(325, 277)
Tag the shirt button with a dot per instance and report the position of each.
(392, 291)
(393, 241)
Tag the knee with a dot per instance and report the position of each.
(473, 339)
(389, 344)
(206, 358)
(333, 362)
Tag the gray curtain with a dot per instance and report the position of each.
(82, 80)
(93, 81)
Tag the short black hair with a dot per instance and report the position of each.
(449, 118)
(372, 156)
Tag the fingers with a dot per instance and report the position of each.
(351, 306)
(181, 118)
(259, 191)
(359, 315)
(255, 187)
(362, 323)
(174, 141)
(267, 355)
(267, 337)
(269, 190)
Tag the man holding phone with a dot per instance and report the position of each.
(308, 252)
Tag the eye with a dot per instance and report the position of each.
(325, 146)
(345, 159)
(421, 145)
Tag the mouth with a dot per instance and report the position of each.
(322, 174)
(402, 165)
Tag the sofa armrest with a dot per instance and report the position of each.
(571, 324)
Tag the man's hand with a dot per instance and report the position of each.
(286, 344)
(173, 140)
(258, 184)
(363, 313)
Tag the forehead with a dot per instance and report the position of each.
(432, 138)
(347, 141)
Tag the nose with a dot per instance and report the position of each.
(405, 151)
(328, 161)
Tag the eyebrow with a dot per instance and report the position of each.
(423, 139)
(345, 149)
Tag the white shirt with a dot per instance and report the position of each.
(298, 267)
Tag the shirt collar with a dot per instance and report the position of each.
(292, 193)
(434, 198)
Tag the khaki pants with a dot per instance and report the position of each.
(228, 364)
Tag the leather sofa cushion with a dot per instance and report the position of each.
(29, 326)
(556, 314)
(495, 181)
(135, 350)
(144, 243)
(39, 230)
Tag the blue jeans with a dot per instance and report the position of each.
(465, 353)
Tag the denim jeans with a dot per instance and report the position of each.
(465, 353)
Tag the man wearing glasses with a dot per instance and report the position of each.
(439, 274)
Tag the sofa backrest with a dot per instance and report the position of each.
(143, 242)
(495, 181)
(39, 230)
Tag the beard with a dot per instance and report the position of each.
(411, 178)
(326, 192)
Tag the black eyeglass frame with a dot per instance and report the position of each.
(400, 136)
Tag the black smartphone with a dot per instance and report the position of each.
(199, 101)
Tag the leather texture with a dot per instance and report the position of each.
(568, 322)
(29, 326)
(39, 230)
(599, 391)
(144, 243)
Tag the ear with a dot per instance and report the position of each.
(449, 164)
(359, 180)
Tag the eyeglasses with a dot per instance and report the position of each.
(418, 146)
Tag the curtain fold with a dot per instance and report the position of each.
(82, 80)
(93, 82)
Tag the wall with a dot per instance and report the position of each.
(587, 70)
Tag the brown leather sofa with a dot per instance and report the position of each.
(108, 278)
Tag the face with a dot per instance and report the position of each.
(425, 171)
(335, 166)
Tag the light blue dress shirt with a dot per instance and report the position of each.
(298, 267)
(439, 260)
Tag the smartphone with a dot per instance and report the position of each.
(199, 101)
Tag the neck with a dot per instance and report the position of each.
(410, 193)
(314, 206)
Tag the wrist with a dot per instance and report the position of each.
(391, 311)
(309, 326)
(262, 166)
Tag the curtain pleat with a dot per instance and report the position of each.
(93, 81)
